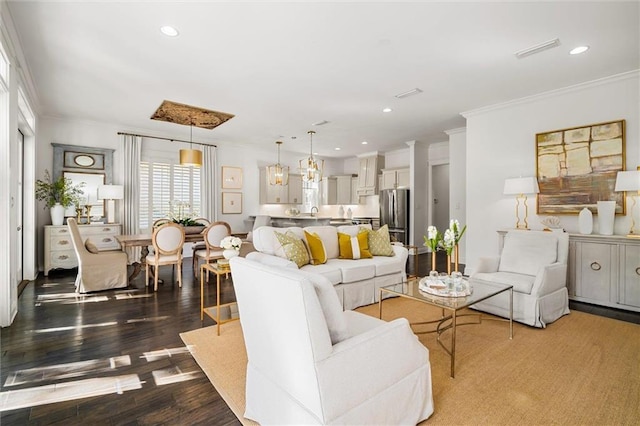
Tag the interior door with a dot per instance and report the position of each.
(440, 186)
(19, 209)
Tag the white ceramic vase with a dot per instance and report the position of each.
(585, 221)
(229, 253)
(57, 215)
(606, 216)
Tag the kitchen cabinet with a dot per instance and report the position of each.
(355, 198)
(395, 178)
(337, 190)
(58, 246)
(368, 171)
(329, 191)
(280, 194)
(294, 192)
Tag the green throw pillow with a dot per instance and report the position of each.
(380, 243)
(293, 247)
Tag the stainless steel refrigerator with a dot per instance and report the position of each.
(394, 212)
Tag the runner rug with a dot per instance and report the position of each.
(582, 369)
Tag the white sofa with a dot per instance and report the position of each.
(356, 281)
(535, 263)
(309, 362)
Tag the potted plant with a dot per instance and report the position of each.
(58, 195)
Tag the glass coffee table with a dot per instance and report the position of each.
(480, 292)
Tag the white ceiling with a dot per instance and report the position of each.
(279, 67)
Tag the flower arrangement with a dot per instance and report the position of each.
(433, 238)
(454, 226)
(60, 191)
(231, 243)
(181, 212)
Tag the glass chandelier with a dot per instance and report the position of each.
(311, 168)
(191, 157)
(278, 174)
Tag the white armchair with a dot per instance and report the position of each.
(535, 263)
(311, 363)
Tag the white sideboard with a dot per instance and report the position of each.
(603, 270)
(58, 247)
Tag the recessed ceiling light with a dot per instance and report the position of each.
(387, 110)
(578, 50)
(169, 31)
(337, 149)
(364, 142)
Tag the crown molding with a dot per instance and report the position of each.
(455, 131)
(553, 93)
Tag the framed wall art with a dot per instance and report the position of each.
(231, 177)
(577, 167)
(231, 202)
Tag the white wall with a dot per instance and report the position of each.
(457, 182)
(501, 144)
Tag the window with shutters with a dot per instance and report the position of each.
(162, 183)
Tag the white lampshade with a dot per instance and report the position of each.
(628, 181)
(522, 185)
(110, 192)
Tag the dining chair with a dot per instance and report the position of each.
(167, 240)
(200, 245)
(213, 234)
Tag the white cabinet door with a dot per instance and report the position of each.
(295, 189)
(630, 275)
(272, 194)
(402, 178)
(388, 179)
(596, 272)
(328, 191)
(343, 189)
(355, 198)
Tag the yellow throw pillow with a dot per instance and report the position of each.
(293, 247)
(380, 243)
(317, 252)
(353, 247)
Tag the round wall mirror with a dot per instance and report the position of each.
(84, 160)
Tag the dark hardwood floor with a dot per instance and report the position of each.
(55, 327)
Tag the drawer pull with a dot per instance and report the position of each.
(596, 266)
(638, 270)
(63, 231)
(106, 229)
(106, 240)
(63, 257)
(63, 242)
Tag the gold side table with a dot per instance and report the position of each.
(416, 270)
(220, 313)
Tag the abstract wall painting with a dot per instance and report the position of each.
(577, 167)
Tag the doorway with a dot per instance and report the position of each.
(440, 196)
(19, 211)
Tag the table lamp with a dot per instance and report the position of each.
(111, 193)
(520, 187)
(629, 181)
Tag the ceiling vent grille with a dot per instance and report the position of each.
(537, 48)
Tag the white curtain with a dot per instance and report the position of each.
(132, 146)
(208, 184)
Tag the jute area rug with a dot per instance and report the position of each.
(581, 370)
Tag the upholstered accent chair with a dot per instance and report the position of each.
(213, 234)
(535, 263)
(310, 362)
(167, 240)
(97, 271)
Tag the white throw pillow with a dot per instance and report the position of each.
(526, 252)
(330, 304)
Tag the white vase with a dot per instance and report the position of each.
(341, 212)
(585, 221)
(606, 216)
(57, 214)
(229, 253)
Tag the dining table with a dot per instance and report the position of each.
(145, 240)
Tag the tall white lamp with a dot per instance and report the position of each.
(111, 193)
(629, 181)
(520, 187)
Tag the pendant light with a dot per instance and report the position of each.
(191, 157)
(311, 168)
(278, 174)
